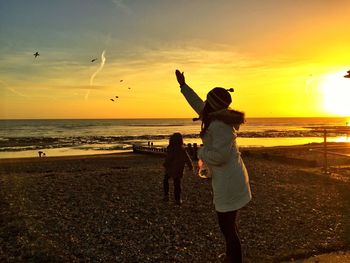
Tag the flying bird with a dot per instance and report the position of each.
(112, 99)
(36, 54)
(93, 60)
(117, 97)
(121, 80)
(129, 88)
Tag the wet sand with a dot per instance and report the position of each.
(109, 208)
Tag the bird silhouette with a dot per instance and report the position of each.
(112, 99)
(93, 60)
(36, 54)
(117, 97)
(121, 80)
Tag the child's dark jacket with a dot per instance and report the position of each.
(175, 161)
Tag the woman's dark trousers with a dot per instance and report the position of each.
(228, 227)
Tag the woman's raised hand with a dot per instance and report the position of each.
(180, 77)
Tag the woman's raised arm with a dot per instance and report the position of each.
(191, 96)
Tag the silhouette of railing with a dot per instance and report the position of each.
(326, 130)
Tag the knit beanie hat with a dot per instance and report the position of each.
(219, 98)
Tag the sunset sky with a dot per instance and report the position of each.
(285, 58)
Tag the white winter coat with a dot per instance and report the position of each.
(230, 182)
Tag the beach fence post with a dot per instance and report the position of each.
(325, 168)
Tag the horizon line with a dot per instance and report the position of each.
(155, 118)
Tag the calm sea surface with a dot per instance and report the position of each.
(24, 138)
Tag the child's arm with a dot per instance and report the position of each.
(188, 161)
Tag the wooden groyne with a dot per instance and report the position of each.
(158, 150)
(149, 149)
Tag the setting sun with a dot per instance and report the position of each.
(336, 92)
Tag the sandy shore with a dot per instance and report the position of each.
(109, 208)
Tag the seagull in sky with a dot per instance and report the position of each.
(36, 54)
(117, 97)
(112, 99)
(121, 80)
(93, 60)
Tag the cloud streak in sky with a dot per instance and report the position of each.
(122, 6)
(103, 60)
(17, 92)
(2, 83)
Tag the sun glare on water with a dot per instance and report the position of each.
(336, 92)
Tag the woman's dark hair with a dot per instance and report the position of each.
(176, 141)
(206, 119)
(236, 118)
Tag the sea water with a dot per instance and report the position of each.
(24, 138)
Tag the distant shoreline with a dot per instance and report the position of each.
(340, 145)
(24, 138)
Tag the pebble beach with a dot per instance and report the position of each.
(109, 208)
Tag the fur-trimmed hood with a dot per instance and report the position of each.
(228, 116)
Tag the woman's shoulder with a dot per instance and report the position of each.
(220, 127)
(218, 124)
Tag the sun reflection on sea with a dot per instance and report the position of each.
(342, 139)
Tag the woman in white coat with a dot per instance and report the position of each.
(220, 153)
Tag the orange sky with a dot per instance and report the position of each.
(284, 58)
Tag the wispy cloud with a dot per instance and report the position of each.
(14, 91)
(82, 87)
(87, 95)
(103, 60)
(149, 59)
(121, 5)
(17, 92)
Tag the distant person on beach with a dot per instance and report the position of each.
(174, 165)
(230, 182)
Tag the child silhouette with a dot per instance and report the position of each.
(174, 165)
